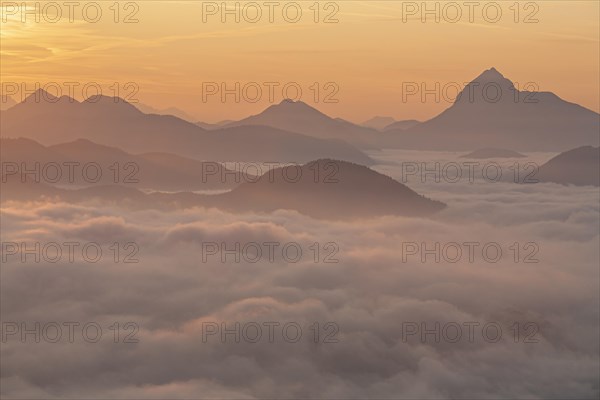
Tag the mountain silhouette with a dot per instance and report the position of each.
(378, 122)
(341, 191)
(146, 109)
(157, 171)
(580, 167)
(114, 122)
(491, 112)
(217, 125)
(299, 117)
(401, 125)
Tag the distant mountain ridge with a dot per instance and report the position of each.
(114, 122)
(491, 152)
(488, 113)
(401, 125)
(378, 122)
(157, 171)
(299, 117)
(146, 109)
(491, 112)
(322, 189)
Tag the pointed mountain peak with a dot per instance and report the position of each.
(493, 72)
(491, 75)
(40, 95)
(488, 88)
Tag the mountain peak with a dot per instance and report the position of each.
(102, 99)
(291, 103)
(114, 105)
(290, 106)
(355, 186)
(488, 88)
(41, 95)
(490, 75)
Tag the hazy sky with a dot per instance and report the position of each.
(373, 48)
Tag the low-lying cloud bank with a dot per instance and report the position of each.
(379, 289)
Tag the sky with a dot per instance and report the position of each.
(175, 54)
(358, 54)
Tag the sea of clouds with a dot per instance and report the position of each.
(172, 295)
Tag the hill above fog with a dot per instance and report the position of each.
(580, 166)
(323, 189)
(329, 189)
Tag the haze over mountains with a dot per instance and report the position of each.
(338, 190)
(401, 125)
(114, 122)
(491, 152)
(209, 126)
(378, 122)
(157, 171)
(299, 117)
(146, 109)
(490, 112)
(389, 123)
(322, 189)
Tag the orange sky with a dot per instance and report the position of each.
(368, 53)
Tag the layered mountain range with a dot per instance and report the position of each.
(490, 112)
(322, 189)
(112, 121)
